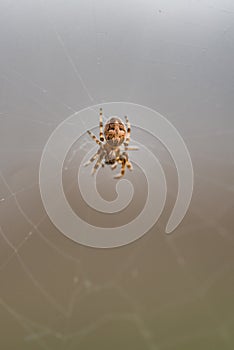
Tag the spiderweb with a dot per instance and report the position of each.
(161, 292)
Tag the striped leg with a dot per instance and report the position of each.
(128, 132)
(129, 165)
(117, 160)
(101, 125)
(93, 157)
(114, 166)
(123, 161)
(98, 163)
(131, 148)
(94, 138)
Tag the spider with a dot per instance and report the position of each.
(115, 134)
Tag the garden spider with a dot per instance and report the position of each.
(115, 134)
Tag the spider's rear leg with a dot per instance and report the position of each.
(128, 132)
(94, 137)
(101, 125)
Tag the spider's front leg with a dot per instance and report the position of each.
(129, 165)
(117, 159)
(113, 166)
(94, 157)
(98, 163)
(123, 159)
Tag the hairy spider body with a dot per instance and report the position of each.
(116, 134)
(110, 154)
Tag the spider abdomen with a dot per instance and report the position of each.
(115, 132)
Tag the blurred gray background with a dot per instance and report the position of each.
(160, 292)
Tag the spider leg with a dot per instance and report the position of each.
(123, 161)
(129, 165)
(113, 166)
(98, 163)
(128, 132)
(101, 125)
(93, 157)
(94, 137)
(131, 148)
(117, 160)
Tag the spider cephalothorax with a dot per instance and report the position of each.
(116, 134)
